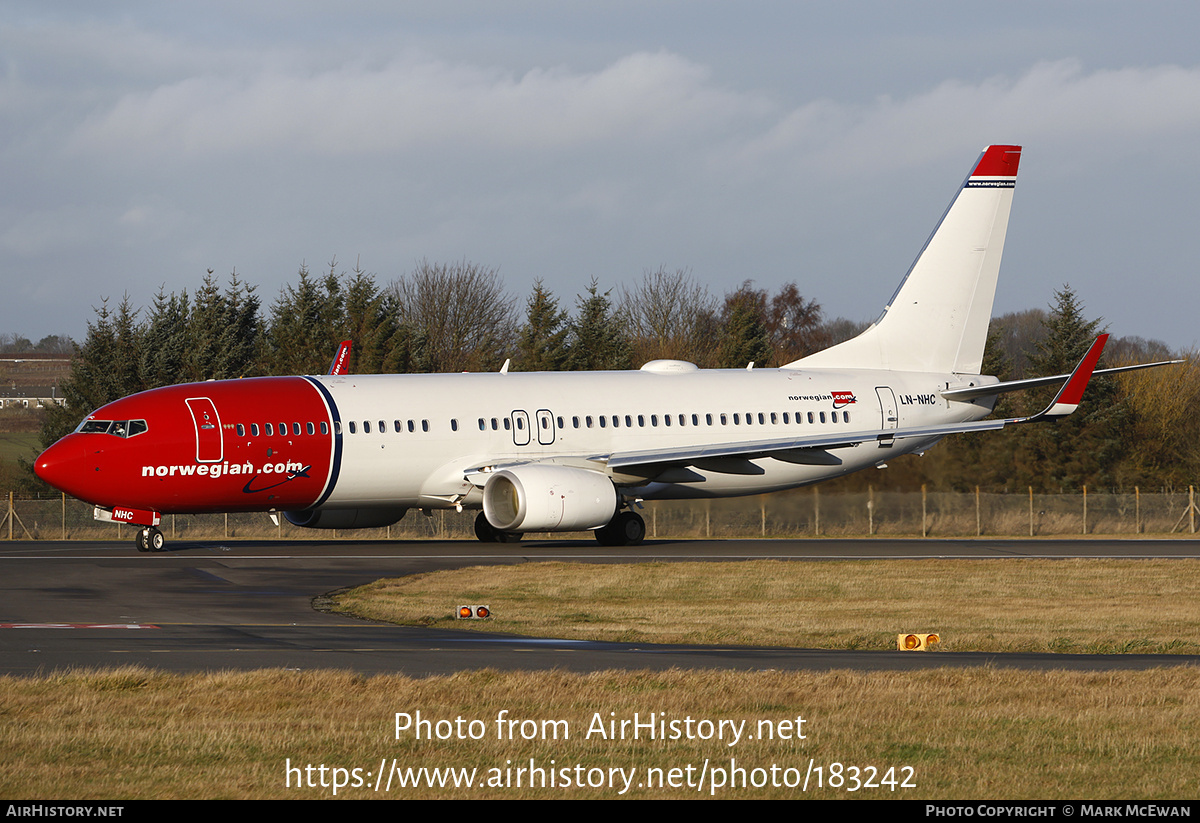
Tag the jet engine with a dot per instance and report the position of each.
(344, 518)
(542, 497)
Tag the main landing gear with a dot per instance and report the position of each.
(150, 539)
(625, 529)
(488, 533)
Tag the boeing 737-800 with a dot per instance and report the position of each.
(544, 452)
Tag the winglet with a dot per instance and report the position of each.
(1068, 397)
(341, 360)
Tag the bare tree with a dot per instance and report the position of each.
(795, 325)
(670, 316)
(458, 314)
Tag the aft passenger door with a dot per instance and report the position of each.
(887, 405)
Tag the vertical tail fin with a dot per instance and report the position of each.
(937, 320)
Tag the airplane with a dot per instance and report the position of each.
(571, 451)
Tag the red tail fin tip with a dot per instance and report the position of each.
(998, 161)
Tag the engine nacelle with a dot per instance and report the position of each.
(542, 497)
(344, 518)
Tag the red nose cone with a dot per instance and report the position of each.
(64, 467)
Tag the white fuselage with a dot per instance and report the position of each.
(451, 424)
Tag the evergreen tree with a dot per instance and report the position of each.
(542, 341)
(744, 337)
(371, 326)
(307, 324)
(204, 327)
(104, 369)
(598, 338)
(240, 340)
(1086, 447)
(166, 341)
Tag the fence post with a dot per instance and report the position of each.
(870, 510)
(923, 530)
(1085, 508)
(816, 512)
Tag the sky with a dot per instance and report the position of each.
(144, 143)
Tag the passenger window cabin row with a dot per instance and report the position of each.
(588, 421)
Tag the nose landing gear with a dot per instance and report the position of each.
(150, 539)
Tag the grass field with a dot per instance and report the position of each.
(933, 734)
(18, 444)
(936, 734)
(1099, 606)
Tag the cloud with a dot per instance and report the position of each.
(1053, 102)
(356, 109)
(641, 102)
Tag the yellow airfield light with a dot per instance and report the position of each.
(478, 612)
(916, 642)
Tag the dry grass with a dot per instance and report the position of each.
(133, 733)
(1099, 606)
(966, 734)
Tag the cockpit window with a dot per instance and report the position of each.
(120, 428)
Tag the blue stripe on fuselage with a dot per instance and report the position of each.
(336, 468)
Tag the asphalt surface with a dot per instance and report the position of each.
(205, 606)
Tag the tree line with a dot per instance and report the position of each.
(453, 317)
(437, 318)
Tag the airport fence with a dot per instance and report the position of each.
(797, 513)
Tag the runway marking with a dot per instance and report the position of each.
(997, 553)
(78, 626)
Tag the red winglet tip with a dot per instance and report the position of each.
(998, 161)
(1073, 391)
(339, 364)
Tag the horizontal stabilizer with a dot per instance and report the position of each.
(993, 389)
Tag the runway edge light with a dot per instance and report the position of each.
(478, 612)
(914, 642)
